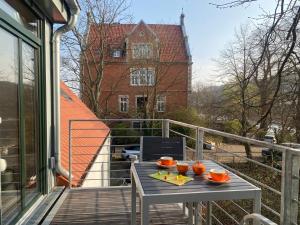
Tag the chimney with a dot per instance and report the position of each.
(182, 18)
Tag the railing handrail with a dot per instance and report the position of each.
(207, 130)
(127, 120)
(239, 138)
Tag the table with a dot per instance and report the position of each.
(152, 191)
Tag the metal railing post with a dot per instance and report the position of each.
(166, 128)
(70, 154)
(289, 188)
(199, 143)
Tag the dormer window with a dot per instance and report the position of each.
(116, 53)
(141, 51)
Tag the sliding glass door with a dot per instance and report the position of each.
(19, 127)
(19, 116)
(9, 127)
(30, 117)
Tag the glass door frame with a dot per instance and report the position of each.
(10, 25)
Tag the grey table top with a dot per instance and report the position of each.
(237, 188)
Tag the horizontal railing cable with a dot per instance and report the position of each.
(250, 160)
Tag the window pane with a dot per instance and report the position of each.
(161, 103)
(141, 50)
(31, 153)
(21, 13)
(9, 132)
(123, 101)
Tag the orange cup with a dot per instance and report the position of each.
(166, 161)
(182, 167)
(218, 175)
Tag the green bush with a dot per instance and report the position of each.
(233, 126)
(124, 129)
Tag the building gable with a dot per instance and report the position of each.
(142, 36)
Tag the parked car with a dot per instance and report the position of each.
(270, 138)
(130, 150)
(208, 146)
(268, 153)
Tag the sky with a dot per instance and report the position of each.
(209, 29)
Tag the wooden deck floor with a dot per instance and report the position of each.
(109, 207)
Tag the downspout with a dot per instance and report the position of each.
(74, 13)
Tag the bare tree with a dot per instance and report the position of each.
(236, 64)
(163, 84)
(84, 51)
(208, 100)
(285, 12)
(295, 61)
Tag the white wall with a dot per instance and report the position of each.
(100, 170)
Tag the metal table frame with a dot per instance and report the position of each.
(192, 198)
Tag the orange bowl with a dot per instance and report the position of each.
(199, 168)
(218, 175)
(182, 167)
(166, 161)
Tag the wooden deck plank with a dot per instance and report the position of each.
(110, 206)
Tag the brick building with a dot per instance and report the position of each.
(147, 68)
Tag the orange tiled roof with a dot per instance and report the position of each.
(88, 137)
(170, 36)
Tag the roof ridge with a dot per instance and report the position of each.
(134, 24)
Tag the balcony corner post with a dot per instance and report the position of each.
(289, 188)
(199, 143)
(70, 154)
(166, 128)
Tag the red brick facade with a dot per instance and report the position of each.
(152, 61)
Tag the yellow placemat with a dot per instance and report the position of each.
(172, 178)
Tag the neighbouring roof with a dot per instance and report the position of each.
(87, 136)
(171, 38)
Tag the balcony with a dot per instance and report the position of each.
(99, 187)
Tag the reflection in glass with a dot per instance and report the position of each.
(9, 129)
(31, 157)
(20, 12)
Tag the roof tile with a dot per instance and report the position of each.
(88, 136)
(170, 36)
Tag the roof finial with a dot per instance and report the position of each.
(182, 17)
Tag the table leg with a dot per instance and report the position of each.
(257, 206)
(144, 212)
(190, 212)
(208, 213)
(197, 207)
(133, 201)
(183, 208)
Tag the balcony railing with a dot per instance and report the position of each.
(95, 159)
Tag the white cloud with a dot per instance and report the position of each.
(205, 72)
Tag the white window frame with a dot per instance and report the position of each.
(121, 101)
(116, 53)
(142, 76)
(142, 50)
(161, 101)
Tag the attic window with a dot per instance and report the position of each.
(65, 95)
(141, 50)
(116, 53)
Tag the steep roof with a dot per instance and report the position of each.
(87, 136)
(172, 43)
